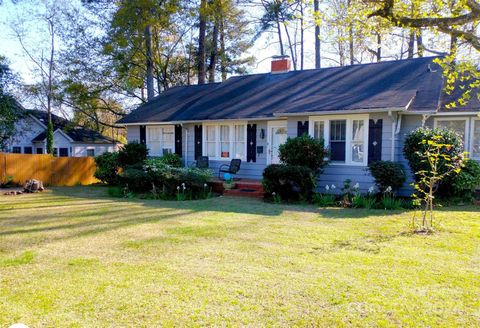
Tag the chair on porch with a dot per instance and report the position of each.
(201, 162)
(231, 168)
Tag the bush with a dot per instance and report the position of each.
(414, 148)
(173, 182)
(171, 159)
(135, 180)
(132, 154)
(462, 185)
(303, 151)
(107, 168)
(290, 182)
(388, 174)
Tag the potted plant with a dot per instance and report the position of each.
(228, 183)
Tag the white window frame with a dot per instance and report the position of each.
(218, 155)
(161, 141)
(466, 133)
(349, 134)
(472, 130)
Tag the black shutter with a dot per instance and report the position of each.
(143, 134)
(198, 141)
(375, 140)
(178, 140)
(302, 128)
(251, 143)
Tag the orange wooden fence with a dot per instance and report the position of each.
(53, 171)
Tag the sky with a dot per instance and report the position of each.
(263, 49)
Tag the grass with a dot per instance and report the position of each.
(72, 257)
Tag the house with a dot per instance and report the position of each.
(363, 112)
(68, 140)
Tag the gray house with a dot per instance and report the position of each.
(363, 112)
(68, 140)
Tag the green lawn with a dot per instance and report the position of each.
(72, 257)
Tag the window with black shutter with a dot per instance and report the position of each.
(198, 141)
(178, 140)
(302, 128)
(375, 140)
(251, 143)
(27, 150)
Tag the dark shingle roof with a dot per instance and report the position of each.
(416, 83)
(76, 133)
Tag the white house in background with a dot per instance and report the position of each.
(68, 140)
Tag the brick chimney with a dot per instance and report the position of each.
(280, 64)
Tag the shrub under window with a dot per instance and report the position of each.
(303, 151)
(107, 168)
(388, 174)
(289, 182)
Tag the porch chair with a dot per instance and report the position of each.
(231, 168)
(201, 162)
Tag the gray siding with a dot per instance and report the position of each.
(133, 133)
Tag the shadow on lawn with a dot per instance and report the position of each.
(71, 212)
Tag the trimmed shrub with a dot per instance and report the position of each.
(388, 174)
(171, 159)
(191, 183)
(462, 185)
(131, 154)
(107, 168)
(414, 148)
(303, 151)
(289, 182)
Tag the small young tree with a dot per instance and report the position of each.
(303, 151)
(439, 163)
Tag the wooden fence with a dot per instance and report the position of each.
(53, 171)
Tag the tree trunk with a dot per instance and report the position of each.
(279, 30)
(302, 53)
(49, 149)
(292, 52)
(420, 47)
(411, 44)
(201, 42)
(214, 52)
(148, 54)
(379, 47)
(317, 36)
(350, 39)
(223, 59)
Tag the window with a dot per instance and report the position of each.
(475, 152)
(338, 137)
(211, 141)
(91, 152)
(239, 144)
(225, 141)
(63, 152)
(319, 130)
(455, 124)
(27, 150)
(39, 150)
(358, 141)
(17, 150)
(346, 138)
(55, 152)
(160, 140)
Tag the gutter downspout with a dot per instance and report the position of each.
(392, 154)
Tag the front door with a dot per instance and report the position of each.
(277, 136)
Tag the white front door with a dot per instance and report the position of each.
(277, 132)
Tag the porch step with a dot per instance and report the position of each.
(254, 193)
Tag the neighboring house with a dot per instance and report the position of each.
(68, 140)
(363, 112)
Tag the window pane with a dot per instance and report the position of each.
(318, 130)
(338, 129)
(476, 139)
(168, 140)
(211, 149)
(224, 141)
(90, 152)
(358, 150)
(211, 131)
(240, 133)
(153, 140)
(455, 125)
